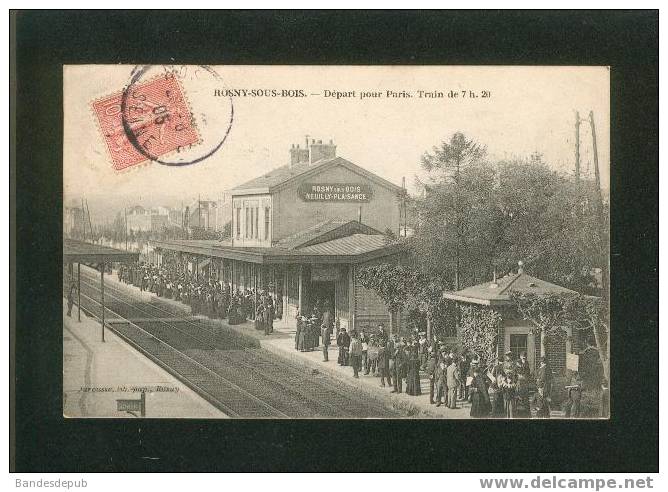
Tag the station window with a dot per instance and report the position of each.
(238, 222)
(266, 222)
(257, 219)
(518, 344)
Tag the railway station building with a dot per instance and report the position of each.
(301, 231)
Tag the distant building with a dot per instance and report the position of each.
(73, 222)
(147, 220)
(210, 214)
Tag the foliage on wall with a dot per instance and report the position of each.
(480, 330)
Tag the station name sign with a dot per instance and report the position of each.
(335, 192)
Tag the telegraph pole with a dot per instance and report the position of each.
(125, 211)
(596, 170)
(90, 225)
(599, 202)
(83, 218)
(577, 146)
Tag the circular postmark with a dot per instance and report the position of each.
(169, 115)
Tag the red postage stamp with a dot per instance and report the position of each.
(157, 118)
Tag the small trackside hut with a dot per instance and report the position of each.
(301, 232)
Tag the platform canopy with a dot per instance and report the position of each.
(82, 252)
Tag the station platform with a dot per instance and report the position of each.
(282, 342)
(96, 374)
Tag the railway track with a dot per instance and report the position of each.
(243, 381)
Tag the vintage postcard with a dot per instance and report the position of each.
(340, 242)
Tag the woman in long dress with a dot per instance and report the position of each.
(259, 317)
(298, 332)
(480, 404)
(413, 375)
(303, 334)
(509, 390)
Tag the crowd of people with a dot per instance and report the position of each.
(205, 296)
(501, 388)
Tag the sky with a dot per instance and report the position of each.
(529, 109)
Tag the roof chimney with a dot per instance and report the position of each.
(319, 150)
(298, 155)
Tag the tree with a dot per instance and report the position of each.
(591, 313)
(456, 218)
(482, 218)
(550, 222)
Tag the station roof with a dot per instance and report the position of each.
(281, 176)
(498, 293)
(356, 248)
(82, 252)
(325, 231)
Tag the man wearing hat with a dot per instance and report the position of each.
(523, 369)
(508, 363)
(343, 342)
(324, 330)
(431, 373)
(544, 378)
(453, 380)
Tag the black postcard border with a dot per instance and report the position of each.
(42, 41)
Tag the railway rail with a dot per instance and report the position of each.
(241, 380)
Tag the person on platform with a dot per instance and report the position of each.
(400, 366)
(464, 365)
(542, 406)
(303, 334)
(573, 405)
(423, 352)
(522, 367)
(389, 359)
(364, 340)
(382, 363)
(268, 315)
(343, 343)
(299, 328)
(523, 372)
(324, 329)
(480, 404)
(413, 373)
(381, 335)
(315, 328)
(328, 320)
(431, 374)
(372, 356)
(259, 322)
(544, 379)
(509, 388)
(70, 298)
(440, 377)
(355, 354)
(453, 380)
(495, 377)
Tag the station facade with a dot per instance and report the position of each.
(301, 232)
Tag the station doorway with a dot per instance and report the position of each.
(322, 294)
